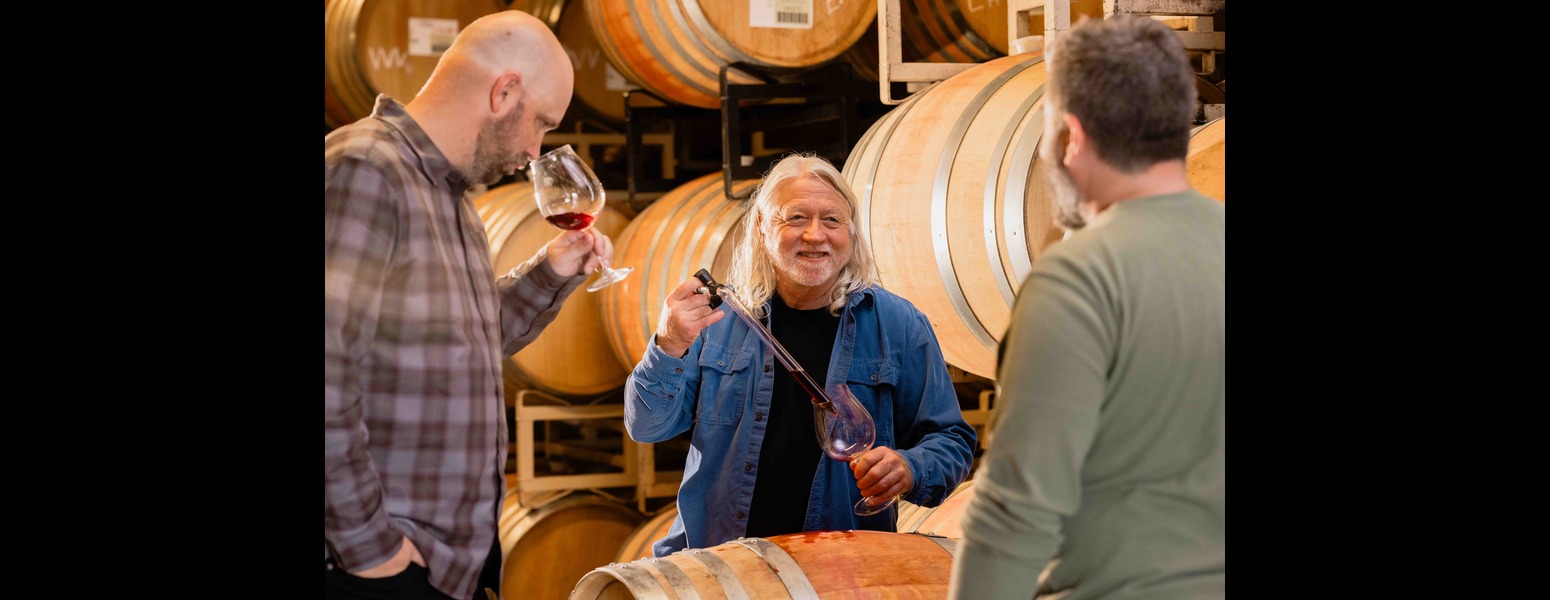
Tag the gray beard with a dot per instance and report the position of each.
(494, 148)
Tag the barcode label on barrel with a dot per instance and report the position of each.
(781, 14)
(430, 37)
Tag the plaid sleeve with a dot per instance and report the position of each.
(532, 295)
(359, 228)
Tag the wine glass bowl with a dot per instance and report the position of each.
(845, 432)
(570, 196)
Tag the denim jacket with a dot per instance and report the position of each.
(885, 351)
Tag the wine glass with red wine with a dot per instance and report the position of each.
(570, 197)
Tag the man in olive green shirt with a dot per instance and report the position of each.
(1110, 437)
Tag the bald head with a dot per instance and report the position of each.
(508, 41)
(503, 83)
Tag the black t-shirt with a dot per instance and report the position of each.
(790, 454)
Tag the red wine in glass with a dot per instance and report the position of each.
(569, 196)
(572, 220)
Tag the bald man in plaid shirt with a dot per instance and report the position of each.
(416, 323)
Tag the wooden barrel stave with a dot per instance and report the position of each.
(829, 564)
(572, 356)
(677, 48)
(960, 143)
(689, 228)
(553, 541)
(367, 50)
(638, 545)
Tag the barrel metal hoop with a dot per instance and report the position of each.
(663, 60)
(702, 25)
(786, 568)
(944, 260)
(715, 223)
(966, 40)
(992, 249)
(947, 543)
(640, 583)
(675, 577)
(651, 254)
(1016, 186)
(731, 585)
(671, 277)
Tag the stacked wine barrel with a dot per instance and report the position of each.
(386, 46)
(952, 202)
(572, 357)
(692, 227)
(599, 92)
(828, 564)
(676, 48)
(550, 541)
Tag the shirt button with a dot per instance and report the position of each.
(721, 363)
(758, 416)
(740, 514)
(678, 370)
(874, 377)
(766, 368)
(747, 467)
(669, 396)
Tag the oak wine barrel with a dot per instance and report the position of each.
(554, 539)
(953, 202)
(833, 565)
(676, 48)
(692, 227)
(638, 545)
(943, 519)
(572, 356)
(599, 88)
(386, 46)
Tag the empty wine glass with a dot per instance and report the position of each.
(570, 197)
(846, 431)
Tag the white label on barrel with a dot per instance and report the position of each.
(613, 81)
(430, 37)
(781, 14)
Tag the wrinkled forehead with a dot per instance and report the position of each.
(808, 193)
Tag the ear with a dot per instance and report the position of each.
(1076, 142)
(504, 92)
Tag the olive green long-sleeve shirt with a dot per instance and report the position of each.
(1110, 442)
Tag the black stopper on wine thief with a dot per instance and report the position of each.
(710, 285)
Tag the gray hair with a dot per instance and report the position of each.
(1129, 81)
(753, 275)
